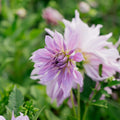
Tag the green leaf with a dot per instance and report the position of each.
(8, 115)
(80, 65)
(34, 33)
(114, 110)
(112, 83)
(50, 115)
(89, 84)
(16, 99)
(100, 70)
(100, 103)
(38, 114)
(7, 61)
(72, 118)
(105, 93)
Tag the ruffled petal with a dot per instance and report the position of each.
(41, 55)
(78, 78)
(78, 57)
(67, 81)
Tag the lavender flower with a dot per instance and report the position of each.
(55, 66)
(94, 47)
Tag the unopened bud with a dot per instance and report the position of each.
(21, 12)
(84, 7)
(52, 16)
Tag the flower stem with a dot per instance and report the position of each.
(85, 113)
(78, 100)
(73, 105)
(94, 94)
(87, 104)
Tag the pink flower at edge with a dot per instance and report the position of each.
(2, 118)
(95, 48)
(55, 66)
(21, 117)
(52, 16)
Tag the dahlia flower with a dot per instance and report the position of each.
(55, 66)
(52, 16)
(95, 48)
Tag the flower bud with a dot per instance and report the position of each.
(84, 7)
(52, 16)
(21, 12)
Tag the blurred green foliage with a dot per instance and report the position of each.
(19, 37)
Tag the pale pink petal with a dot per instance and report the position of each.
(49, 32)
(2, 118)
(49, 42)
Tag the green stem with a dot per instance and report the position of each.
(78, 100)
(85, 113)
(87, 105)
(94, 94)
(73, 105)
